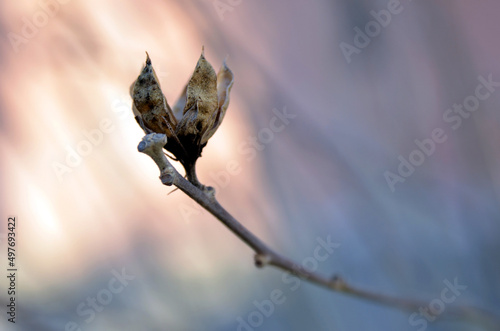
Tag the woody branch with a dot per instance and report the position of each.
(152, 145)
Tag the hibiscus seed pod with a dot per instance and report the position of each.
(225, 80)
(196, 115)
(201, 101)
(150, 103)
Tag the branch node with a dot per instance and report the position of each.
(261, 260)
(210, 192)
(152, 145)
(167, 178)
(338, 284)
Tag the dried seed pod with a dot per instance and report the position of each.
(150, 103)
(201, 100)
(225, 80)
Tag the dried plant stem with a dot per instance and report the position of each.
(152, 145)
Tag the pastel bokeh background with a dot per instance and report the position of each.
(89, 206)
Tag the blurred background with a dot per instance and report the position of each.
(102, 245)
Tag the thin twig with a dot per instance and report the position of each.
(152, 145)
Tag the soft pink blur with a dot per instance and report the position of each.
(72, 76)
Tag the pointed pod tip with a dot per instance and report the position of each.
(224, 68)
(202, 56)
(148, 60)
